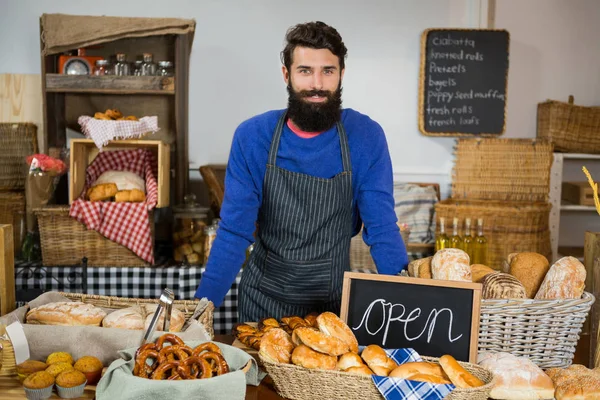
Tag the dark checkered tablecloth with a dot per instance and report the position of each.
(131, 282)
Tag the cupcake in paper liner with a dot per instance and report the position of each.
(70, 384)
(38, 385)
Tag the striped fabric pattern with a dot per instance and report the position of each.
(414, 205)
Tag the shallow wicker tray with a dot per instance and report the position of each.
(299, 383)
(545, 331)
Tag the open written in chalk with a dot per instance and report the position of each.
(434, 317)
(463, 80)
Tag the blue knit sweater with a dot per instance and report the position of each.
(320, 156)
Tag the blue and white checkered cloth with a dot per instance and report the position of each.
(403, 389)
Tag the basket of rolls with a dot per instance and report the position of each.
(319, 357)
(530, 308)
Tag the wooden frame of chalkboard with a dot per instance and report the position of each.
(463, 92)
(401, 304)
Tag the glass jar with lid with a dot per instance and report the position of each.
(165, 68)
(190, 221)
(102, 67)
(137, 68)
(148, 66)
(121, 66)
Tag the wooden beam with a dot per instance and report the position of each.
(182, 63)
(7, 270)
(591, 260)
(110, 84)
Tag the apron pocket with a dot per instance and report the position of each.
(297, 282)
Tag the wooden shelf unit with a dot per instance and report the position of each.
(159, 85)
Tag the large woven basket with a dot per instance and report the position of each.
(509, 227)
(299, 383)
(545, 331)
(571, 128)
(502, 169)
(12, 212)
(185, 306)
(17, 141)
(65, 241)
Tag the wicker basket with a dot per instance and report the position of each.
(12, 212)
(65, 241)
(545, 331)
(299, 383)
(17, 141)
(185, 306)
(509, 227)
(502, 169)
(571, 128)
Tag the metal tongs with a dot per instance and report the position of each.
(165, 302)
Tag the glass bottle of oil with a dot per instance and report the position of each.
(455, 239)
(467, 241)
(480, 249)
(441, 241)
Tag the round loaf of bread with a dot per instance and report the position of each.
(502, 286)
(530, 269)
(308, 358)
(139, 318)
(66, 313)
(451, 265)
(331, 324)
(320, 341)
(479, 271)
(564, 280)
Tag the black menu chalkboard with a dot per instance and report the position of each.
(433, 317)
(463, 79)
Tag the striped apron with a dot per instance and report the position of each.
(302, 243)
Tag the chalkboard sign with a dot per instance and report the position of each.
(433, 317)
(463, 79)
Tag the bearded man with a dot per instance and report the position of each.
(300, 183)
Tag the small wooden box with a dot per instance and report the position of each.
(83, 152)
(579, 193)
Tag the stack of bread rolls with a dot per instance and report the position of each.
(575, 382)
(120, 186)
(525, 275)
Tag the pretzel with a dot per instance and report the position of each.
(206, 347)
(168, 337)
(142, 369)
(173, 353)
(195, 368)
(219, 365)
(160, 371)
(147, 346)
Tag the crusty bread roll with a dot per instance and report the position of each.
(125, 180)
(130, 196)
(561, 375)
(517, 378)
(459, 376)
(585, 387)
(479, 271)
(308, 358)
(331, 324)
(349, 360)
(320, 341)
(502, 286)
(139, 317)
(564, 280)
(66, 313)
(362, 370)
(276, 346)
(378, 360)
(420, 268)
(530, 269)
(105, 191)
(451, 265)
(422, 370)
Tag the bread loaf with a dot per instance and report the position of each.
(451, 265)
(517, 378)
(420, 370)
(479, 271)
(502, 286)
(139, 318)
(420, 268)
(67, 313)
(530, 269)
(319, 341)
(378, 360)
(564, 280)
(306, 357)
(330, 324)
(125, 180)
(459, 376)
(276, 346)
(576, 382)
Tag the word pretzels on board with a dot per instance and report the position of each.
(414, 315)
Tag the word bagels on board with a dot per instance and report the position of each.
(463, 82)
(432, 317)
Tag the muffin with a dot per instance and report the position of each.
(38, 385)
(57, 368)
(70, 384)
(28, 367)
(91, 368)
(59, 356)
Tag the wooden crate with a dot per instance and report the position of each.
(83, 152)
(579, 193)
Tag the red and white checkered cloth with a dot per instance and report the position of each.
(103, 131)
(124, 223)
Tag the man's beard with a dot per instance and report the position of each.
(314, 117)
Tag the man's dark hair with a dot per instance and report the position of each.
(315, 35)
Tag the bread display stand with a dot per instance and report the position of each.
(298, 383)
